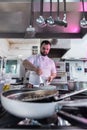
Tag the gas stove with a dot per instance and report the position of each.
(69, 118)
(9, 121)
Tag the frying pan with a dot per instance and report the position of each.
(32, 110)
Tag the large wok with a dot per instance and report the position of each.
(33, 110)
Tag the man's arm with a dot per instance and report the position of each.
(28, 65)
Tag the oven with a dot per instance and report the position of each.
(62, 72)
(60, 66)
(61, 78)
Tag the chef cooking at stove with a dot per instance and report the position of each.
(42, 68)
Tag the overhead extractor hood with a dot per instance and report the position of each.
(59, 48)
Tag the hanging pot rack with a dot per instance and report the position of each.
(59, 18)
(50, 20)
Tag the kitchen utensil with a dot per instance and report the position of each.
(58, 21)
(50, 20)
(83, 21)
(31, 30)
(40, 20)
(35, 79)
(32, 110)
(78, 103)
(64, 16)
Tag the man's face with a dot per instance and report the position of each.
(44, 49)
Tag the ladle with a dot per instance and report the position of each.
(50, 20)
(64, 17)
(83, 22)
(31, 30)
(40, 20)
(58, 21)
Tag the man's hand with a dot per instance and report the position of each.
(50, 78)
(39, 71)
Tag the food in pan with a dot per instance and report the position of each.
(33, 95)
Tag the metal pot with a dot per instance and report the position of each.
(71, 85)
(32, 110)
(76, 85)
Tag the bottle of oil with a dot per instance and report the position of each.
(6, 87)
(6, 83)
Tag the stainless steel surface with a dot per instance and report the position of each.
(15, 16)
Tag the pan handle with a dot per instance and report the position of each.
(71, 94)
(74, 120)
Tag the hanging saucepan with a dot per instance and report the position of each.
(32, 110)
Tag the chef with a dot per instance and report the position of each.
(43, 67)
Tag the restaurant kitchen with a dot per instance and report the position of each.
(70, 64)
(64, 23)
(72, 67)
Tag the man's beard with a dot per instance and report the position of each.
(43, 54)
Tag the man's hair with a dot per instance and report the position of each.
(46, 42)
